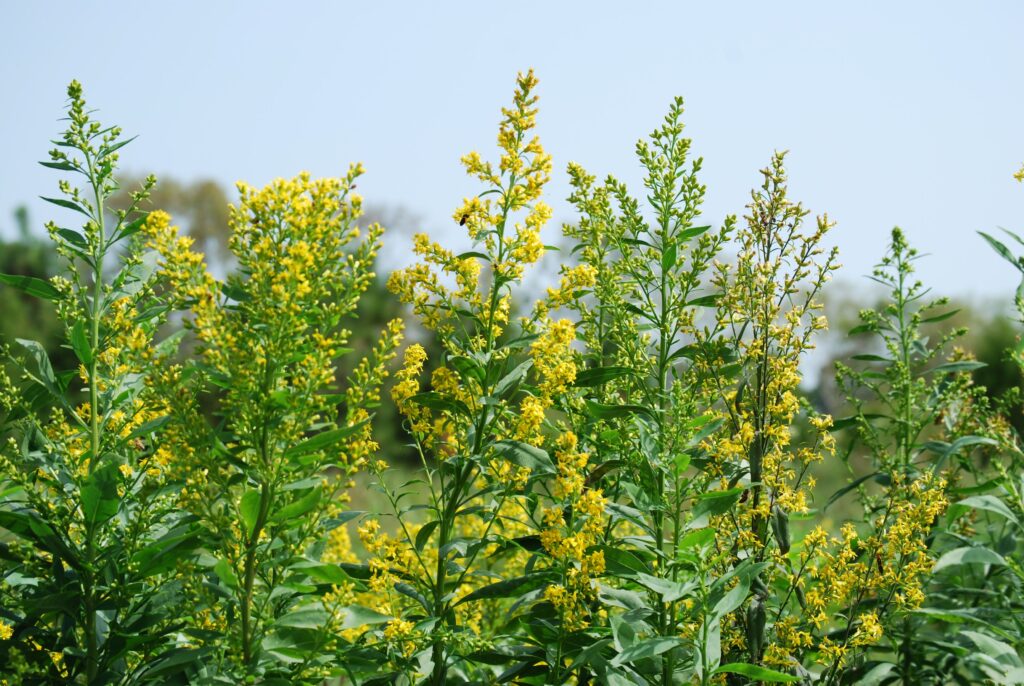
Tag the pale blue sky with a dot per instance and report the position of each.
(905, 113)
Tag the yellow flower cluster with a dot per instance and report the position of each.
(408, 384)
(432, 432)
(183, 268)
(271, 336)
(518, 181)
(553, 357)
(574, 280)
(432, 301)
(388, 556)
(339, 546)
(791, 640)
(531, 418)
(889, 565)
(571, 465)
(403, 634)
(572, 526)
(516, 478)
(869, 631)
(291, 239)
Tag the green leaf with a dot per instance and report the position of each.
(249, 508)
(327, 573)
(693, 232)
(994, 648)
(149, 427)
(605, 411)
(466, 366)
(524, 455)
(870, 358)
(410, 592)
(473, 253)
(356, 571)
(623, 632)
(780, 527)
(163, 555)
(989, 503)
(132, 227)
(705, 301)
(61, 202)
(42, 362)
(877, 674)
(323, 440)
(962, 366)
(1002, 250)
(968, 555)
(648, 647)
(668, 257)
(299, 507)
(74, 238)
(716, 502)
(669, 590)
(80, 343)
(225, 573)
(600, 375)
(620, 562)
(104, 151)
(31, 285)
(173, 661)
(697, 539)
(99, 496)
(507, 587)
(307, 618)
(756, 673)
(733, 598)
(511, 381)
(944, 450)
(60, 166)
(423, 535)
(435, 401)
(879, 477)
(939, 317)
(357, 616)
(709, 427)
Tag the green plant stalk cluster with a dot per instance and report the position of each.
(616, 482)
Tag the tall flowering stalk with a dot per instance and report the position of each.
(85, 493)
(268, 477)
(480, 429)
(643, 337)
(770, 314)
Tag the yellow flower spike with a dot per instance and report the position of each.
(531, 417)
(553, 357)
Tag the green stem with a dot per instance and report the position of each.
(95, 313)
(249, 573)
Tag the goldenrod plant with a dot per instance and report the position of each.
(617, 483)
(478, 429)
(266, 477)
(88, 495)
